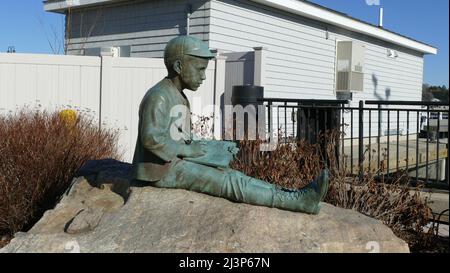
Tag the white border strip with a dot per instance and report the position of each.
(60, 6)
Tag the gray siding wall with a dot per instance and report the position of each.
(146, 26)
(301, 58)
(301, 54)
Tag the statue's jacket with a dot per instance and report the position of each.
(161, 134)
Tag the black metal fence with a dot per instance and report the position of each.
(384, 136)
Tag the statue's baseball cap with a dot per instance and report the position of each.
(186, 45)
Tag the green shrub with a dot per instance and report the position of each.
(40, 152)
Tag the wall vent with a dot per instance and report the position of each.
(119, 51)
(349, 66)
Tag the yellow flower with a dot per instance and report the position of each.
(69, 117)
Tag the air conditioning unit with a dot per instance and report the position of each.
(349, 66)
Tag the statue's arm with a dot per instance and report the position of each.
(155, 132)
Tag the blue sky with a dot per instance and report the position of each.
(25, 25)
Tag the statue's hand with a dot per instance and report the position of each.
(231, 147)
(195, 149)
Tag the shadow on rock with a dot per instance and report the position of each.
(111, 173)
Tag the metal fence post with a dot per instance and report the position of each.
(361, 140)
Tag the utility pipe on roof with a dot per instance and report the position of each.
(380, 22)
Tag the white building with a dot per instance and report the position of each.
(304, 51)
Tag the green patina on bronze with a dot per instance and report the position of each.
(166, 156)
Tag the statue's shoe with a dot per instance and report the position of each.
(306, 199)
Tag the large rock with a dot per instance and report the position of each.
(99, 214)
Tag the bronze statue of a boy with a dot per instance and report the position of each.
(162, 160)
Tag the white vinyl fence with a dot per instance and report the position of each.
(106, 88)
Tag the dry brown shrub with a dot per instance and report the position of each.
(292, 165)
(39, 155)
(394, 202)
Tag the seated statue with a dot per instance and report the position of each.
(167, 157)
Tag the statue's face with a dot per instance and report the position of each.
(193, 72)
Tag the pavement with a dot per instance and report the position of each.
(409, 153)
(438, 200)
(443, 229)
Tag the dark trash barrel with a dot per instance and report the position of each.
(312, 121)
(246, 95)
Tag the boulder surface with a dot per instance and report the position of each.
(104, 212)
